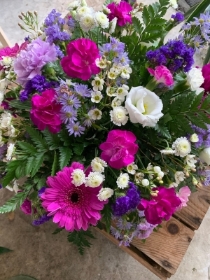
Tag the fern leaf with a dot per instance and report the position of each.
(65, 156)
(37, 138)
(38, 161)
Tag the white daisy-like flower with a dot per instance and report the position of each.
(87, 22)
(101, 62)
(94, 179)
(97, 83)
(78, 177)
(121, 92)
(168, 151)
(112, 75)
(111, 91)
(83, 11)
(105, 193)
(131, 168)
(126, 71)
(98, 165)
(122, 181)
(181, 146)
(6, 61)
(95, 114)
(190, 161)
(116, 68)
(74, 5)
(10, 151)
(102, 20)
(116, 102)
(119, 116)
(179, 176)
(96, 96)
(194, 138)
(149, 167)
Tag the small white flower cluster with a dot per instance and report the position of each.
(181, 146)
(3, 86)
(87, 17)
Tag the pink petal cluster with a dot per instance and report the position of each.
(119, 149)
(160, 207)
(26, 207)
(73, 208)
(30, 61)
(45, 112)
(80, 60)
(121, 11)
(162, 75)
(206, 75)
(183, 195)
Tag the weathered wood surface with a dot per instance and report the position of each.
(164, 250)
(3, 39)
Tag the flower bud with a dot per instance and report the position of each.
(145, 182)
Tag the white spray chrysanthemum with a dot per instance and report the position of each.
(194, 138)
(122, 181)
(182, 147)
(83, 11)
(105, 193)
(97, 83)
(98, 165)
(96, 96)
(102, 20)
(131, 168)
(94, 179)
(116, 102)
(190, 161)
(78, 177)
(87, 22)
(119, 115)
(179, 176)
(95, 114)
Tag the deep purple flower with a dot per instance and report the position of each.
(41, 220)
(178, 17)
(128, 202)
(203, 136)
(41, 191)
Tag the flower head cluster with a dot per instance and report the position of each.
(203, 136)
(120, 11)
(175, 55)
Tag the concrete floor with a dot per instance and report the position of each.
(38, 253)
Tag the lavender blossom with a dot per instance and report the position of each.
(75, 129)
(41, 220)
(203, 136)
(82, 90)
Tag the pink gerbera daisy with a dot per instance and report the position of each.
(73, 207)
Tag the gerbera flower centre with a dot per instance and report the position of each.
(74, 197)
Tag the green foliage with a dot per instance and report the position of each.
(79, 238)
(196, 10)
(65, 156)
(15, 201)
(4, 250)
(26, 105)
(52, 139)
(37, 139)
(106, 216)
(58, 230)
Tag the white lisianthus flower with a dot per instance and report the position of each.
(179, 176)
(173, 4)
(105, 193)
(122, 181)
(94, 179)
(113, 24)
(96, 96)
(131, 168)
(119, 115)
(182, 147)
(87, 22)
(145, 182)
(194, 138)
(126, 71)
(97, 83)
(10, 151)
(102, 19)
(5, 120)
(78, 177)
(143, 106)
(205, 156)
(116, 102)
(195, 79)
(95, 114)
(190, 161)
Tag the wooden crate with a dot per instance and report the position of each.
(3, 39)
(164, 250)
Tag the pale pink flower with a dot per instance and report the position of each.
(162, 75)
(183, 195)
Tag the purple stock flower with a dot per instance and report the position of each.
(30, 61)
(41, 220)
(144, 229)
(203, 136)
(41, 191)
(128, 202)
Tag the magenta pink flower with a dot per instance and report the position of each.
(72, 207)
(119, 149)
(121, 11)
(80, 59)
(183, 195)
(26, 207)
(160, 207)
(206, 75)
(45, 112)
(162, 75)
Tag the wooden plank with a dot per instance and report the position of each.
(168, 245)
(3, 39)
(198, 205)
(139, 256)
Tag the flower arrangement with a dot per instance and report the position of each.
(102, 121)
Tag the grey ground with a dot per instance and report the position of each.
(38, 253)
